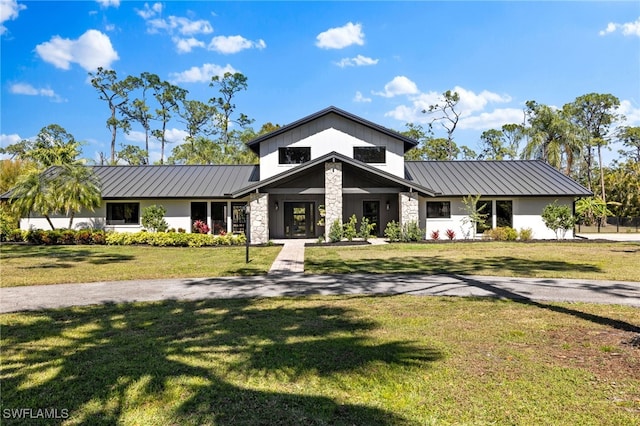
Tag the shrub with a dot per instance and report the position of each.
(411, 232)
(200, 227)
(83, 236)
(393, 231)
(15, 236)
(435, 235)
(153, 218)
(68, 237)
(366, 228)
(558, 218)
(172, 239)
(525, 234)
(98, 237)
(350, 231)
(34, 236)
(450, 234)
(501, 234)
(335, 231)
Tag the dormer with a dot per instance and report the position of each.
(331, 130)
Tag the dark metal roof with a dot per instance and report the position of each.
(408, 142)
(341, 158)
(493, 178)
(175, 181)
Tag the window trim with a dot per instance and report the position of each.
(380, 148)
(448, 210)
(110, 221)
(282, 154)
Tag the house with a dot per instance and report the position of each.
(330, 163)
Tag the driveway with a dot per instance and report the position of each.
(297, 284)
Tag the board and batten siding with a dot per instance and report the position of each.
(330, 133)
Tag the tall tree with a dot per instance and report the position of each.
(133, 155)
(228, 87)
(115, 93)
(138, 110)
(52, 146)
(630, 138)
(76, 188)
(594, 113)
(169, 98)
(445, 113)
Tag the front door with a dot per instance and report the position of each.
(299, 220)
(371, 210)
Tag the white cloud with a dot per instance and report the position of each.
(201, 74)
(471, 108)
(181, 25)
(400, 85)
(92, 50)
(341, 37)
(631, 113)
(234, 44)
(628, 28)
(29, 90)
(6, 140)
(185, 45)
(360, 98)
(150, 11)
(9, 10)
(491, 120)
(358, 61)
(107, 3)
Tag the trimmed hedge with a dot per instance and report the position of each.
(89, 236)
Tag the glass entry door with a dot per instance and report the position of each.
(299, 220)
(371, 210)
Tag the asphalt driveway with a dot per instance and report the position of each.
(14, 299)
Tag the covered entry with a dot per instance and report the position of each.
(299, 219)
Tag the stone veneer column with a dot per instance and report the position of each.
(332, 195)
(409, 208)
(259, 218)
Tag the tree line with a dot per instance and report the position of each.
(571, 139)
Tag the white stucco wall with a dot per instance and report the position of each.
(526, 214)
(324, 142)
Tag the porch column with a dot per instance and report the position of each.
(332, 194)
(409, 208)
(259, 218)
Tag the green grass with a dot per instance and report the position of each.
(402, 360)
(582, 260)
(31, 265)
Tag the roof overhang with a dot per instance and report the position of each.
(334, 157)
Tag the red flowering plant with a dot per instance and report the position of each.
(200, 227)
(451, 234)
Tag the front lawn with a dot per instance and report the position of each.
(401, 360)
(31, 265)
(582, 260)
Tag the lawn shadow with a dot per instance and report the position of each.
(60, 256)
(104, 363)
(440, 265)
(519, 298)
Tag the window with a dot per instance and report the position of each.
(504, 213)
(370, 154)
(219, 217)
(371, 210)
(438, 209)
(238, 218)
(485, 208)
(294, 155)
(123, 213)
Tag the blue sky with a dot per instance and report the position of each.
(383, 61)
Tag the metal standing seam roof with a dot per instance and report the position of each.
(173, 181)
(493, 178)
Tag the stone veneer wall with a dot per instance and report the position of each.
(259, 218)
(332, 194)
(409, 207)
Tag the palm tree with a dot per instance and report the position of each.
(77, 188)
(34, 193)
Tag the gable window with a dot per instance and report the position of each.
(294, 155)
(123, 213)
(438, 209)
(370, 154)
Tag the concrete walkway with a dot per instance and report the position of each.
(291, 257)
